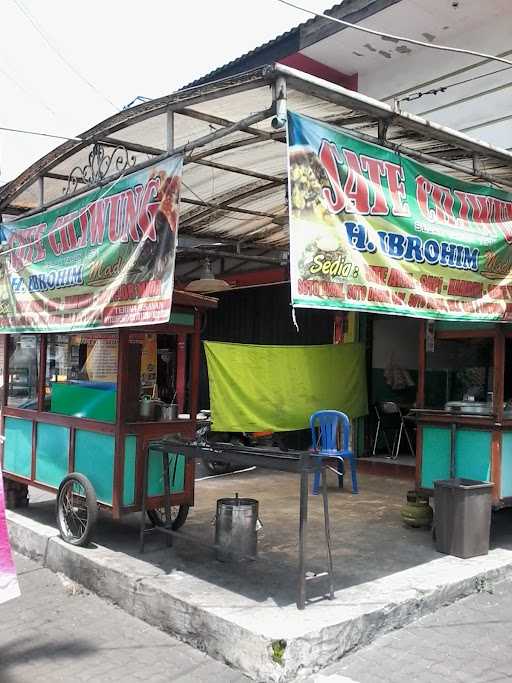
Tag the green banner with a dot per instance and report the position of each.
(103, 259)
(372, 230)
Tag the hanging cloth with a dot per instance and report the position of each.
(257, 388)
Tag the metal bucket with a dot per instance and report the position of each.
(169, 412)
(236, 526)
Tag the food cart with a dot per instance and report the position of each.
(464, 413)
(79, 429)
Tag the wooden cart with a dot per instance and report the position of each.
(86, 441)
(471, 440)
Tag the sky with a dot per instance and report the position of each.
(124, 49)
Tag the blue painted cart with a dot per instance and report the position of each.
(464, 407)
(86, 440)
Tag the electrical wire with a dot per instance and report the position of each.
(35, 132)
(435, 91)
(59, 54)
(395, 38)
(24, 90)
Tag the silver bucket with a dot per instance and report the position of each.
(236, 527)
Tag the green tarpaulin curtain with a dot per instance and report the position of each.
(276, 388)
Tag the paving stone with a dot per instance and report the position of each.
(53, 635)
(468, 641)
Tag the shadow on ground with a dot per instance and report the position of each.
(369, 539)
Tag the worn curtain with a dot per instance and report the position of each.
(276, 388)
(8, 581)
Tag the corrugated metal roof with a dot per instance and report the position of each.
(282, 45)
(234, 182)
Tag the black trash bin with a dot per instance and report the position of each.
(462, 516)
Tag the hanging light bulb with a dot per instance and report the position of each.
(207, 281)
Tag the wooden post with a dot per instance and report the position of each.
(41, 380)
(123, 380)
(496, 464)
(420, 395)
(499, 373)
(195, 363)
(181, 371)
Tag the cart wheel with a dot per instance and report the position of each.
(179, 515)
(77, 509)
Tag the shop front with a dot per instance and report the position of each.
(396, 289)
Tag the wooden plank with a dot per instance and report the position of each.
(41, 379)
(123, 380)
(499, 373)
(34, 448)
(181, 371)
(465, 334)
(156, 430)
(71, 452)
(485, 422)
(194, 367)
(63, 420)
(496, 464)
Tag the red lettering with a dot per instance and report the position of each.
(423, 190)
(376, 170)
(97, 221)
(395, 178)
(115, 227)
(443, 202)
(329, 158)
(148, 210)
(356, 187)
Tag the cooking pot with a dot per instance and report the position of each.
(469, 407)
(149, 408)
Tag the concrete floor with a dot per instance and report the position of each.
(369, 540)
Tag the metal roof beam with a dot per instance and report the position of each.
(156, 151)
(129, 117)
(241, 171)
(233, 255)
(237, 194)
(218, 121)
(317, 87)
(226, 207)
(199, 142)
